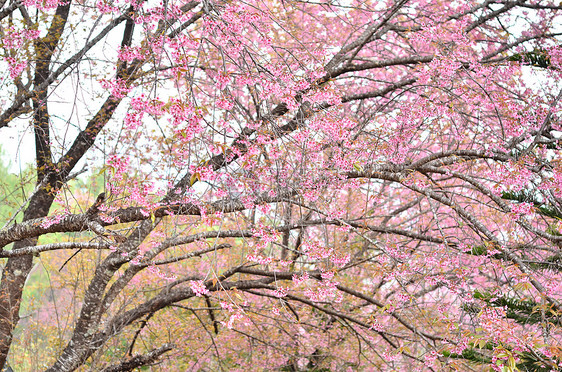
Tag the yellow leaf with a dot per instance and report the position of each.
(194, 177)
(358, 167)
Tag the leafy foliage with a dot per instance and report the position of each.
(522, 311)
(536, 58)
(531, 197)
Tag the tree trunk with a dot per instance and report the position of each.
(15, 274)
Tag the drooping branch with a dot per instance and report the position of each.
(35, 250)
(316, 275)
(79, 222)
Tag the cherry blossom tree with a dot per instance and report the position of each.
(287, 185)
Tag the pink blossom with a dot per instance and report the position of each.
(198, 287)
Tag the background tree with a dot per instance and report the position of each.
(287, 184)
